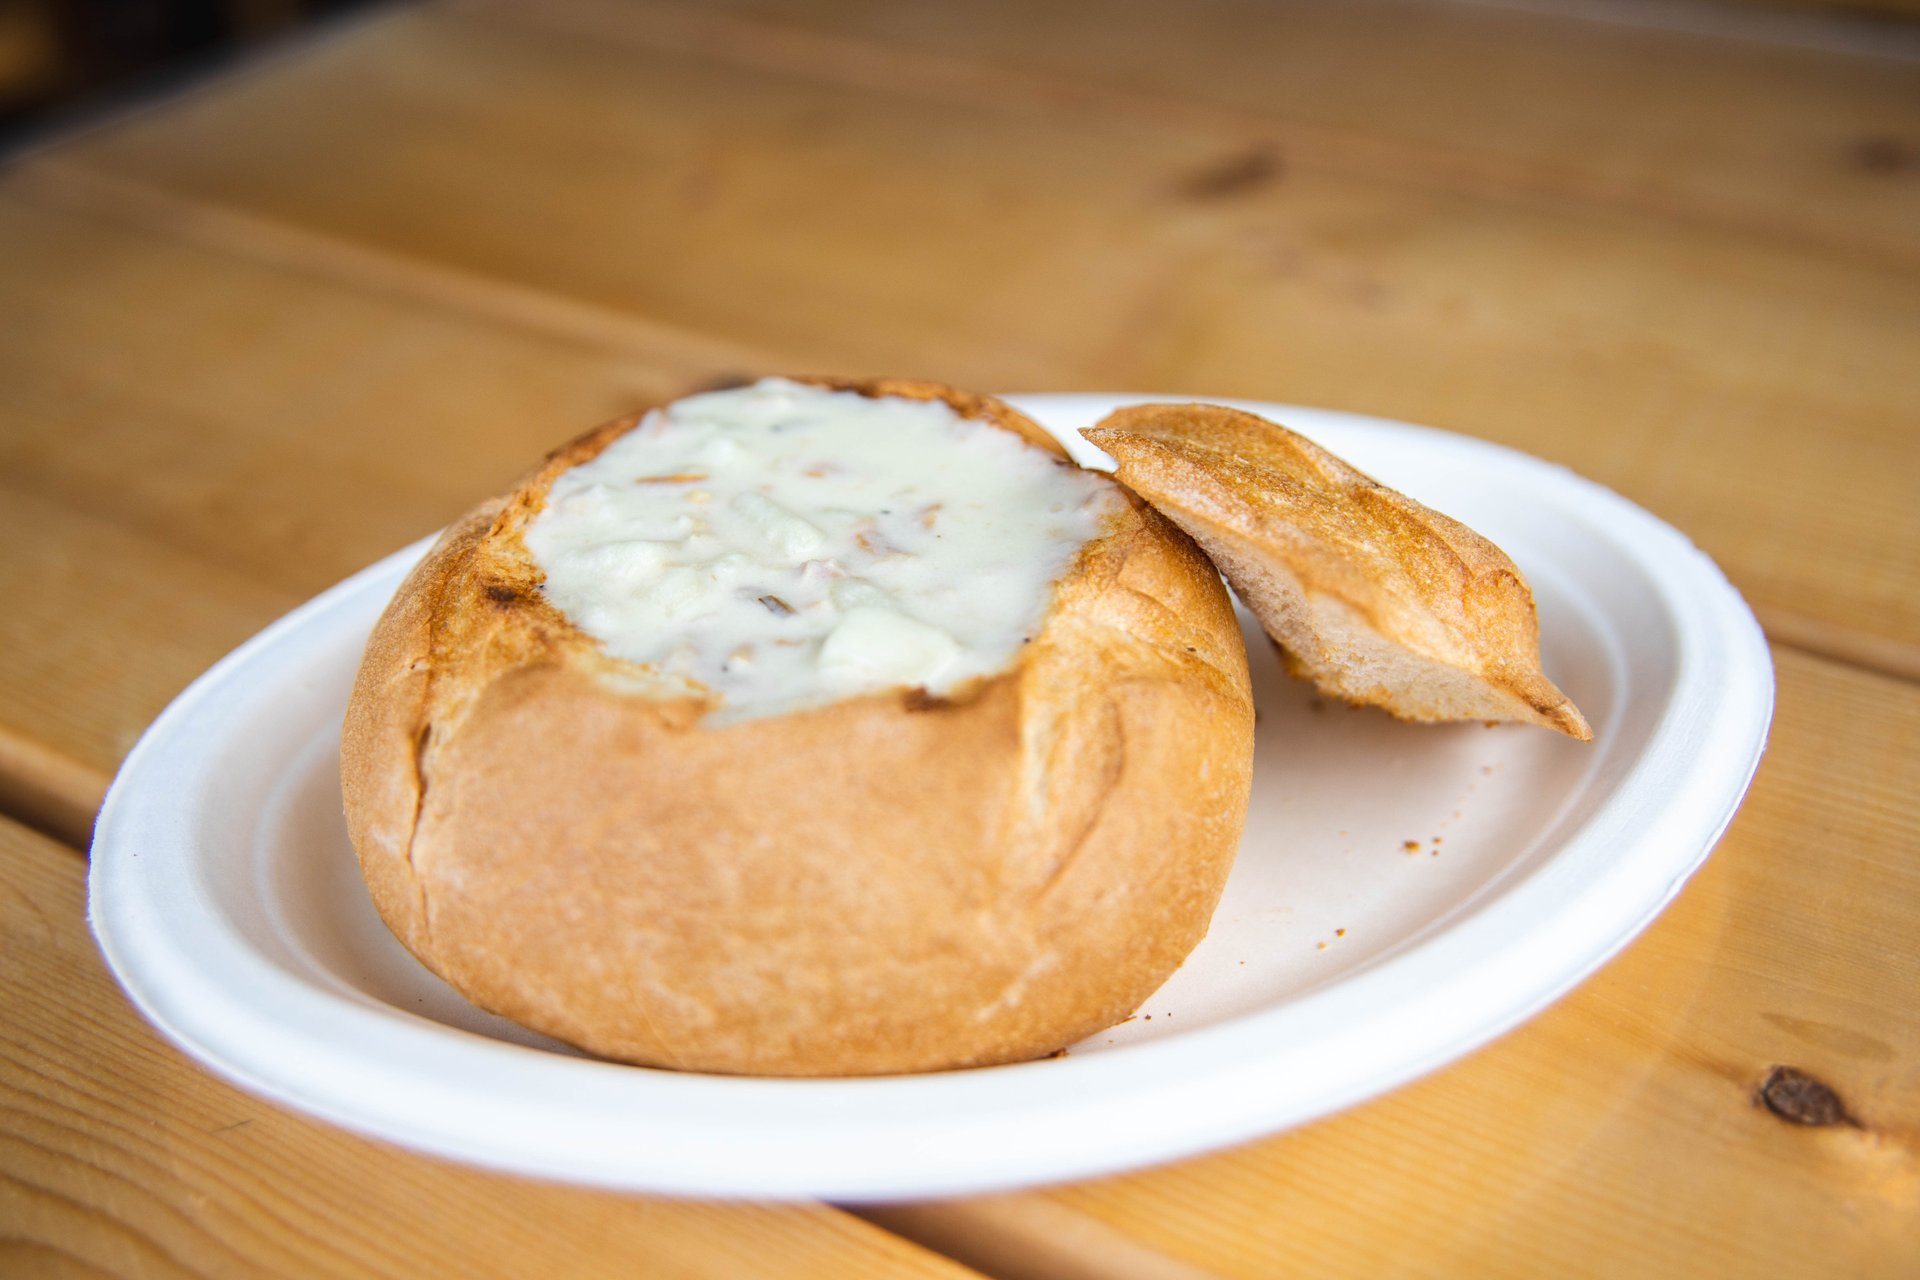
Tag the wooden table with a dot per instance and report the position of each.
(262, 333)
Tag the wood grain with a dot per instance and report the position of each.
(120, 1157)
(1618, 1133)
(1511, 102)
(277, 328)
(103, 627)
(192, 442)
(1729, 357)
(273, 418)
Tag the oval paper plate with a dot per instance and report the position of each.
(1403, 894)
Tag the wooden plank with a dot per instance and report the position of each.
(104, 625)
(192, 442)
(1599, 102)
(120, 1157)
(1620, 1133)
(1746, 384)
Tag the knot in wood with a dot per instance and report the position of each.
(1799, 1098)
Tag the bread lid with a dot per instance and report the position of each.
(1375, 598)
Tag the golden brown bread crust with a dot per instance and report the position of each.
(1376, 598)
(890, 883)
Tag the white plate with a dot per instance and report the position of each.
(1402, 895)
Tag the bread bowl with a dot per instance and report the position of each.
(913, 863)
(1376, 598)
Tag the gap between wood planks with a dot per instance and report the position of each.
(857, 62)
(1026, 1237)
(49, 791)
(1861, 32)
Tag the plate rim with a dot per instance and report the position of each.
(1183, 1094)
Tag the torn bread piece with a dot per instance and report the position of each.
(1372, 596)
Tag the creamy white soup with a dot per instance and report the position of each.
(784, 546)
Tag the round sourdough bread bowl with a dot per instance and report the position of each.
(890, 882)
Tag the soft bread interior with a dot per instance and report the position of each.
(1375, 598)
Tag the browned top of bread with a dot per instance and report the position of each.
(1376, 598)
